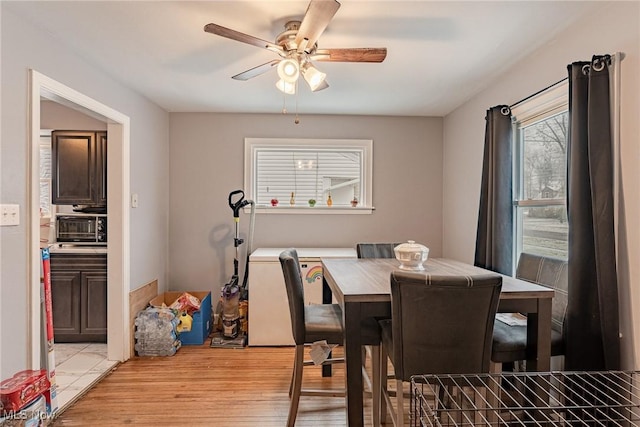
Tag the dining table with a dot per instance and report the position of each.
(362, 288)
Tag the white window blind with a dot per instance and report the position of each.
(310, 169)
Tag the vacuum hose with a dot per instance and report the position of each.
(249, 242)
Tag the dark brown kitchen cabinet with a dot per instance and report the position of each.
(79, 166)
(79, 297)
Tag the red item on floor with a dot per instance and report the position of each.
(24, 387)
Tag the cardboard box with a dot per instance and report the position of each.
(201, 326)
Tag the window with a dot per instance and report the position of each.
(540, 127)
(325, 175)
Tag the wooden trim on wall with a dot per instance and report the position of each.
(138, 300)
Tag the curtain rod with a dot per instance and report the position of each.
(537, 93)
(616, 56)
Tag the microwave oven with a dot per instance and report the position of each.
(81, 228)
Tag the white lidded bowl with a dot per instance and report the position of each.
(411, 255)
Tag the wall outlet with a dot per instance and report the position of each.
(9, 215)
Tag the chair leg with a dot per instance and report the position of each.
(364, 352)
(383, 385)
(493, 392)
(386, 404)
(296, 385)
(376, 384)
(293, 377)
(366, 381)
(399, 422)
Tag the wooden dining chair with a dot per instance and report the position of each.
(438, 325)
(317, 322)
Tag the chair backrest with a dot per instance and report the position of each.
(295, 292)
(376, 250)
(442, 324)
(551, 272)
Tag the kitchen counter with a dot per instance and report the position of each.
(77, 249)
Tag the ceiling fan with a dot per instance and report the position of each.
(297, 47)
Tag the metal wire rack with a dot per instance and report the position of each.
(610, 398)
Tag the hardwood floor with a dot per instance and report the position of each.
(203, 386)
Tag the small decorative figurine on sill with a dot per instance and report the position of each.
(274, 202)
(354, 201)
(292, 201)
(312, 202)
(329, 201)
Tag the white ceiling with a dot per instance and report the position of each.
(440, 53)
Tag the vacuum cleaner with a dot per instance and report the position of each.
(233, 292)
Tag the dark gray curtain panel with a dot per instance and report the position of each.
(592, 325)
(494, 240)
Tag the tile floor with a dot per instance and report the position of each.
(78, 367)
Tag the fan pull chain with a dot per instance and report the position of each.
(284, 103)
(297, 120)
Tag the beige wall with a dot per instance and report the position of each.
(615, 27)
(207, 164)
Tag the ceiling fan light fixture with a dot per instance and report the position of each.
(314, 77)
(285, 87)
(321, 86)
(289, 70)
(297, 46)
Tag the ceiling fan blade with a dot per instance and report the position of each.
(316, 19)
(365, 54)
(241, 37)
(256, 71)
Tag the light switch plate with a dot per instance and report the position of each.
(134, 200)
(9, 215)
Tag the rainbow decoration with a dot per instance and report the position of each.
(314, 273)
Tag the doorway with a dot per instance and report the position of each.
(118, 276)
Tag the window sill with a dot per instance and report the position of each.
(308, 210)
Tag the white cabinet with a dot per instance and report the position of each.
(269, 318)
